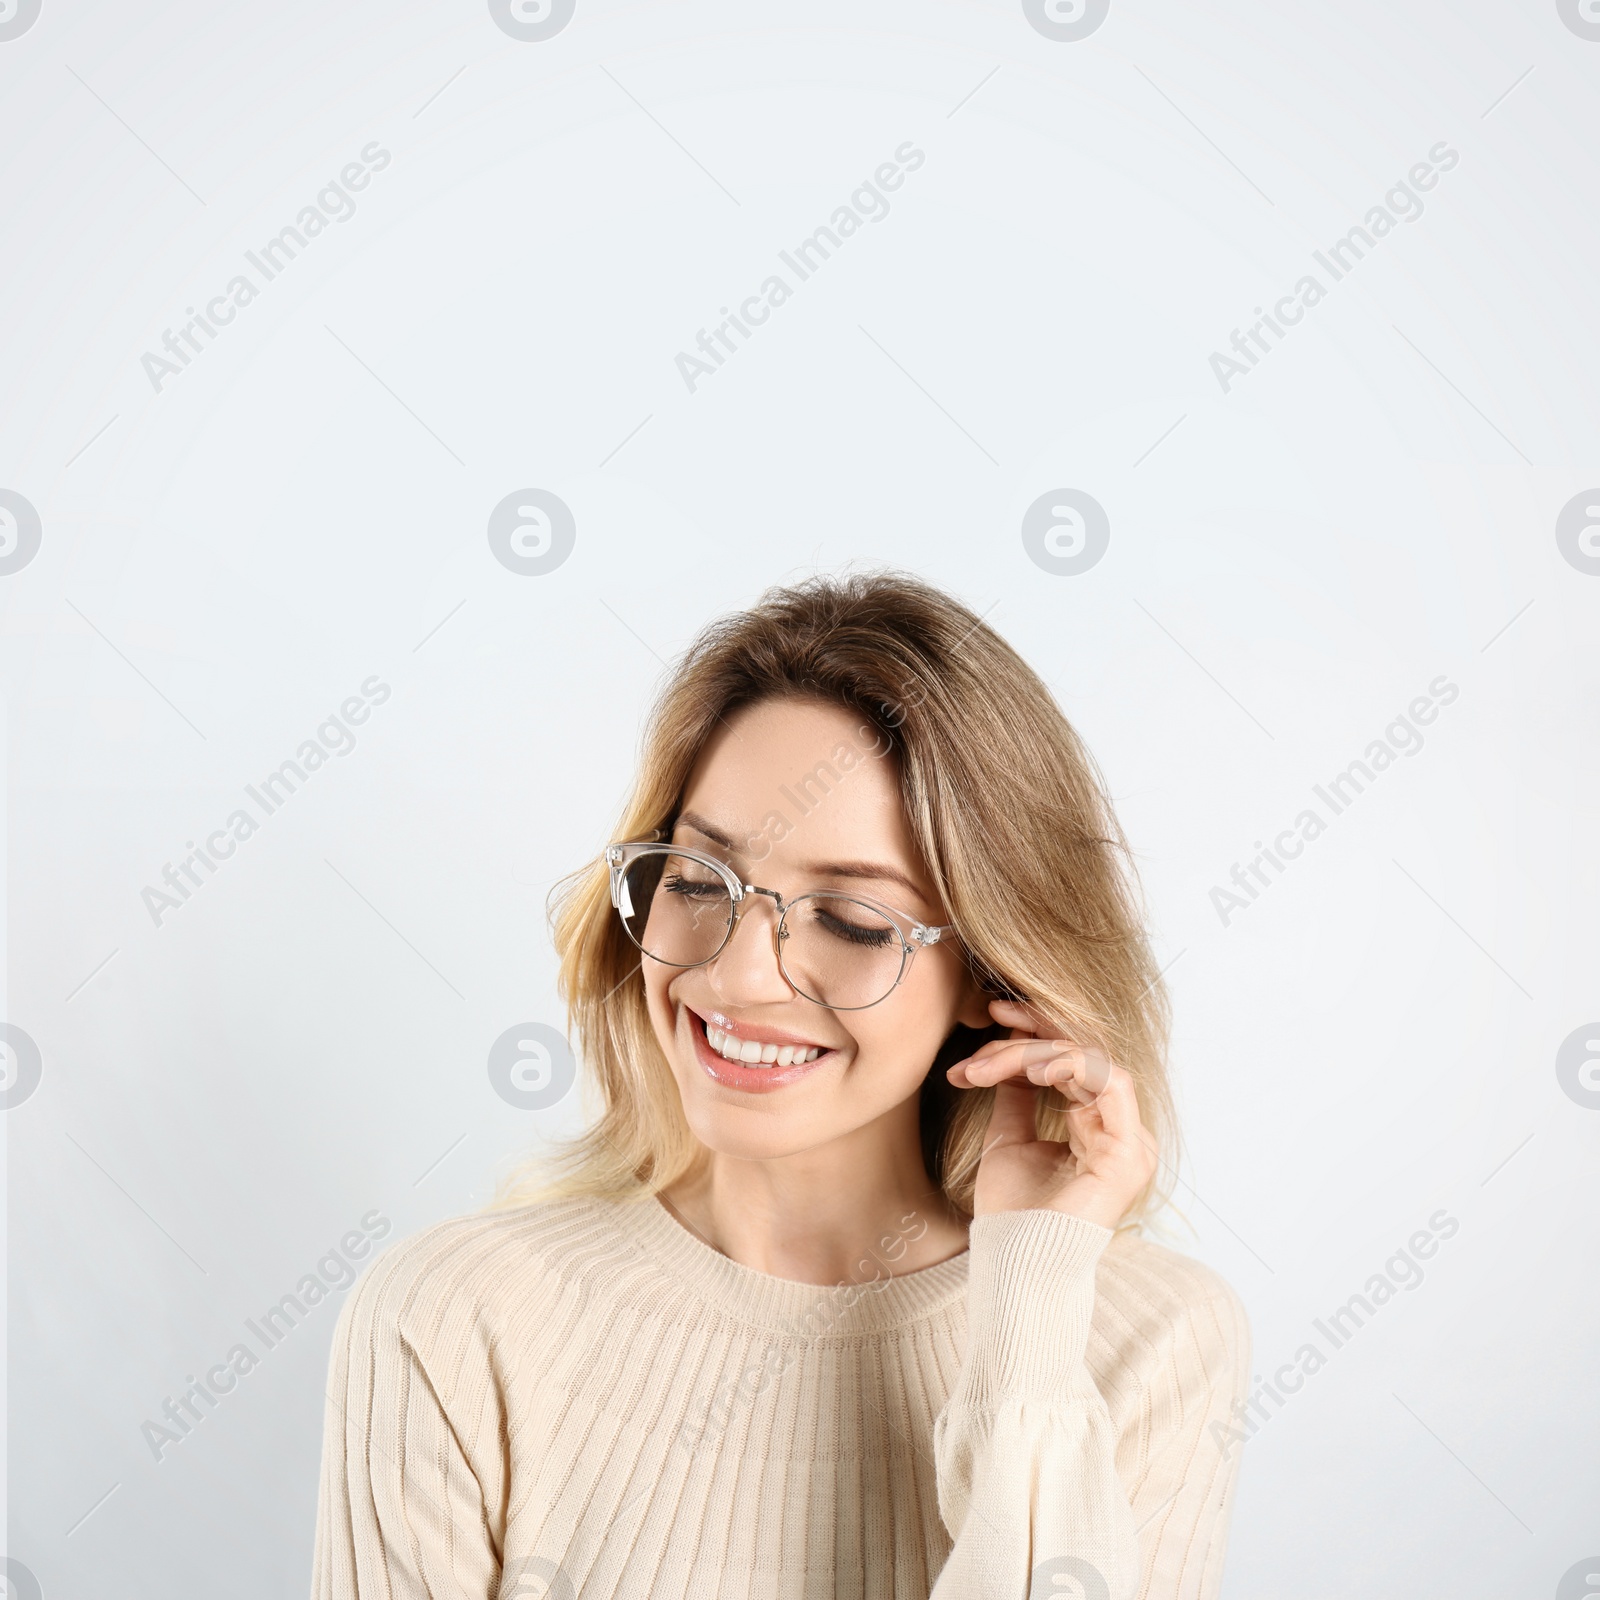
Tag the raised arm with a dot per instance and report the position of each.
(1045, 1488)
(1079, 1455)
(1025, 1447)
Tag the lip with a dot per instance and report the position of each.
(749, 1079)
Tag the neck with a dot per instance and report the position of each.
(850, 1211)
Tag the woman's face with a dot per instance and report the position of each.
(796, 796)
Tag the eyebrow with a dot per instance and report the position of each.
(874, 870)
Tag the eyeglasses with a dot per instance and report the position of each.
(680, 907)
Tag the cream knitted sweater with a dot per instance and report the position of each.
(582, 1399)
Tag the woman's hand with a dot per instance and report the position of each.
(1108, 1157)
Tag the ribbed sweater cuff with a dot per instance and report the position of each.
(1030, 1295)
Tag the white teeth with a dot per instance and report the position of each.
(749, 1053)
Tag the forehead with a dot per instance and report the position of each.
(806, 781)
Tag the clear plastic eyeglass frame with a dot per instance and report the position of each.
(914, 935)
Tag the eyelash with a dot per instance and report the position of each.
(873, 938)
(690, 888)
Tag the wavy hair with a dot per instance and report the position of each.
(1017, 834)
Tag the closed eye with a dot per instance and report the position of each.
(693, 888)
(854, 932)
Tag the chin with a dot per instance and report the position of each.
(748, 1133)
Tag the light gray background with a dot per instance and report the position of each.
(1295, 560)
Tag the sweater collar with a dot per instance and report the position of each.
(782, 1305)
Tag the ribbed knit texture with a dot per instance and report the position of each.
(583, 1400)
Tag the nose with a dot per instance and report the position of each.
(747, 972)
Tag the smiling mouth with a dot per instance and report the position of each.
(751, 1056)
(751, 1053)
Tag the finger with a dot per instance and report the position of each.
(1122, 1132)
(1000, 1058)
(1004, 1058)
(1011, 1119)
(1086, 1129)
(1079, 1072)
(1067, 1086)
(1043, 1048)
(1131, 1151)
(1015, 1014)
(1084, 1132)
(1118, 1105)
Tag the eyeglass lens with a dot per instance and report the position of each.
(834, 949)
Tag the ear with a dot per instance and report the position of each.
(973, 1009)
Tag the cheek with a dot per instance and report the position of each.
(658, 996)
(897, 1040)
(932, 991)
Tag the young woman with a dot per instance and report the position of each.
(843, 1293)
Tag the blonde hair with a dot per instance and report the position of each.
(1016, 832)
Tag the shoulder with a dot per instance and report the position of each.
(457, 1285)
(1161, 1314)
